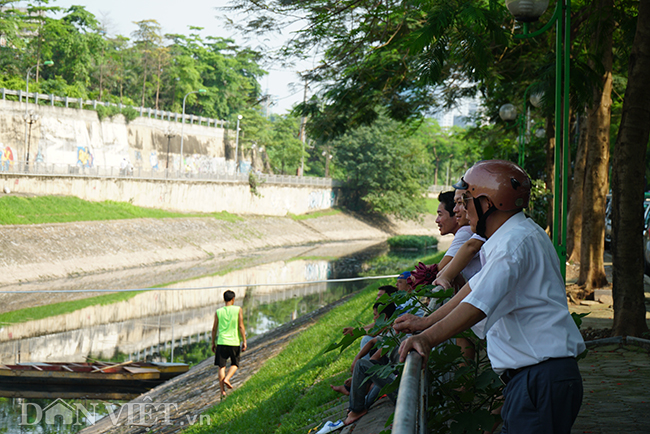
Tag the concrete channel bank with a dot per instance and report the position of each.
(84, 254)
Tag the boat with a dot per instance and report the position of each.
(97, 380)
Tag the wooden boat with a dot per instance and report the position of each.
(91, 380)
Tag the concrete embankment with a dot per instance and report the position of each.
(54, 256)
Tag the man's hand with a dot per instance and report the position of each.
(418, 343)
(244, 347)
(348, 331)
(442, 281)
(214, 348)
(409, 323)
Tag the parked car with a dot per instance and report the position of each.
(608, 220)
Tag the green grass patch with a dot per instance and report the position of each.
(40, 312)
(315, 214)
(419, 242)
(16, 210)
(431, 205)
(286, 393)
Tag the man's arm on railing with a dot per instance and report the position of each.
(411, 323)
(461, 318)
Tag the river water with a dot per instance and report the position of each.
(175, 325)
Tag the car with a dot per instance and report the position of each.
(608, 219)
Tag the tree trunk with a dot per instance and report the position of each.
(592, 248)
(144, 82)
(627, 187)
(574, 218)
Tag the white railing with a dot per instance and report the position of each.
(36, 168)
(142, 111)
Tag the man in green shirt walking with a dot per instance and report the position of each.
(229, 322)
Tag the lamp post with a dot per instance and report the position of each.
(527, 11)
(508, 113)
(239, 118)
(183, 123)
(328, 157)
(30, 118)
(25, 116)
(169, 133)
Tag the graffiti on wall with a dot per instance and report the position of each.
(153, 160)
(322, 199)
(6, 157)
(320, 270)
(85, 156)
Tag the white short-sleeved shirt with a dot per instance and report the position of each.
(475, 264)
(463, 234)
(521, 291)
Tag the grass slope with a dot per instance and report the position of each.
(16, 210)
(286, 393)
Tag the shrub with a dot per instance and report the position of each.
(418, 242)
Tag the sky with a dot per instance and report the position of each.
(175, 16)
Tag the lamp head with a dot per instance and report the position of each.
(202, 91)
(527, 11)
(48, 63)
(508, 112)
(239, 117)
(536, 99)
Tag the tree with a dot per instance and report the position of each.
(383, 170)
(147, 40)
(592, 248)
(628, 185)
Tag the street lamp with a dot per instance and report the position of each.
(508, 113)
(527, 11)
(169, 133)
(239, 118)
(328, 157)
(25, 116)
(183, 123)
(30, 118)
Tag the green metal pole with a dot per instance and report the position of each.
(557, 190)
(565, 128)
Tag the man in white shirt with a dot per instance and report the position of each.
(532, 339)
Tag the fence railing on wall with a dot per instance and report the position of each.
(142, 111)
(36, 169)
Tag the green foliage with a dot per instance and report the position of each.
(254, 183)
(418, 242)
(16, 210)
(153, 69)
(384, 171)
(540, 198)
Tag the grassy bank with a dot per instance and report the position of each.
(16, 210)
(285, 395)
(50, 310)
(292, 389)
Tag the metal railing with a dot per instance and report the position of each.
(411, 407)
(142, 111)
(36, 168)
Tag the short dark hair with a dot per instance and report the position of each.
(388, 289)
(228, 295)
(386, 309)
(447, 198)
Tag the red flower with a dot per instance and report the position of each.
(423, 275)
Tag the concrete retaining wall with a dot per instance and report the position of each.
(69, 136)
(178, 195)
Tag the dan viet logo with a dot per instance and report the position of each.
(144, 414)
